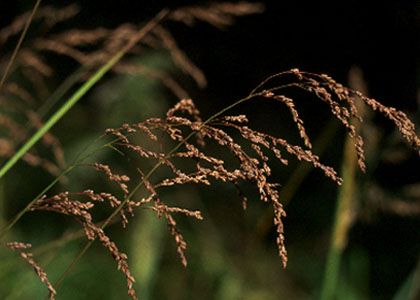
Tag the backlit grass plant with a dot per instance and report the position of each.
(181, 148)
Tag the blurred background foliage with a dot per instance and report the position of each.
(232, 253)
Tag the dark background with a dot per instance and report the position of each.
(325, 36)
(380, 37)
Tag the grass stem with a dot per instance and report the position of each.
(344, 217)
(80, 93)
(19, 44)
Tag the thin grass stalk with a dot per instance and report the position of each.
(77, 161)
(55, 244)
(59, 114)
(2, 205)
(19, 215)
(19, 44)
(81, 92)
(344, 215)
(59, 93)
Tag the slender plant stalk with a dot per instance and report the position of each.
(14, 55)
(28, 206)
(56, 244)
(344, 217)
(81, 92)
(77, 161)
(59, 93)
(19, 44)
(2, 204)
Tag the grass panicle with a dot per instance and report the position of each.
(28, 257)
(160, 153)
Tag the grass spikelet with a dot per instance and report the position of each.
(28, 257)
(63, 204)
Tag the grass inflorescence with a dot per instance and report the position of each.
(176, 146)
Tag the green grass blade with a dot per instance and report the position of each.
(60, 113)
(343, 221)
(80, 93)
(410, 289)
